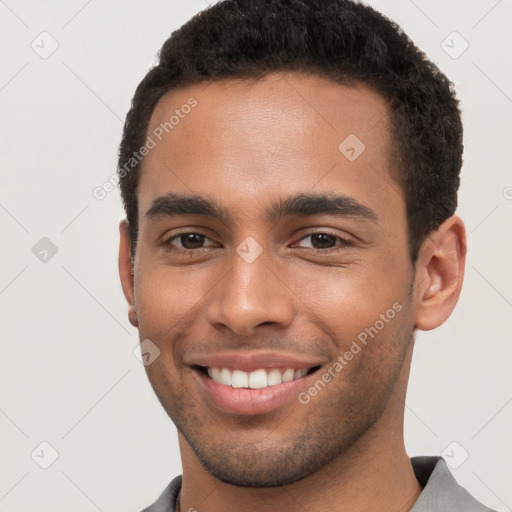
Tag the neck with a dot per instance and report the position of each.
(383, 481)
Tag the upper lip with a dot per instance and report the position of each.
(253, 360)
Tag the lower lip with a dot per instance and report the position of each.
(250, 401)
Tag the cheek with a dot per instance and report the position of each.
(347, 300)
(167, 297)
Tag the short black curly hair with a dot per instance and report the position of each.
(343, 40)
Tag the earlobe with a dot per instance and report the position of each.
(125, 271)
(440, 273)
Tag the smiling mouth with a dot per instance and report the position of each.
(256, 379)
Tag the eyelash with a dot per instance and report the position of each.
(345, 242)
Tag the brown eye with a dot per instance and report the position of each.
(187, 241)
(191, 240)
(323, 241)
(326, 241)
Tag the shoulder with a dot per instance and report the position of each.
(166, 500)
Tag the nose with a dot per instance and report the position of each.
(250, 295)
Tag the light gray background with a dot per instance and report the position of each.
(68, 373)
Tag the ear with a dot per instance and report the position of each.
(439, 274)
(125, 271)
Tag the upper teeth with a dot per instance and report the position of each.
(255, 380)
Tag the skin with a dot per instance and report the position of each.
(246, 144)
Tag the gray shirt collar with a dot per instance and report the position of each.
(440, 490)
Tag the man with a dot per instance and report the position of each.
(289, 172)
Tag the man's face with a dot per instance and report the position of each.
(274, 284)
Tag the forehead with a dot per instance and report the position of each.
(248, 140)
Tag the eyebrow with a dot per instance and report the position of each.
(303, 205)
